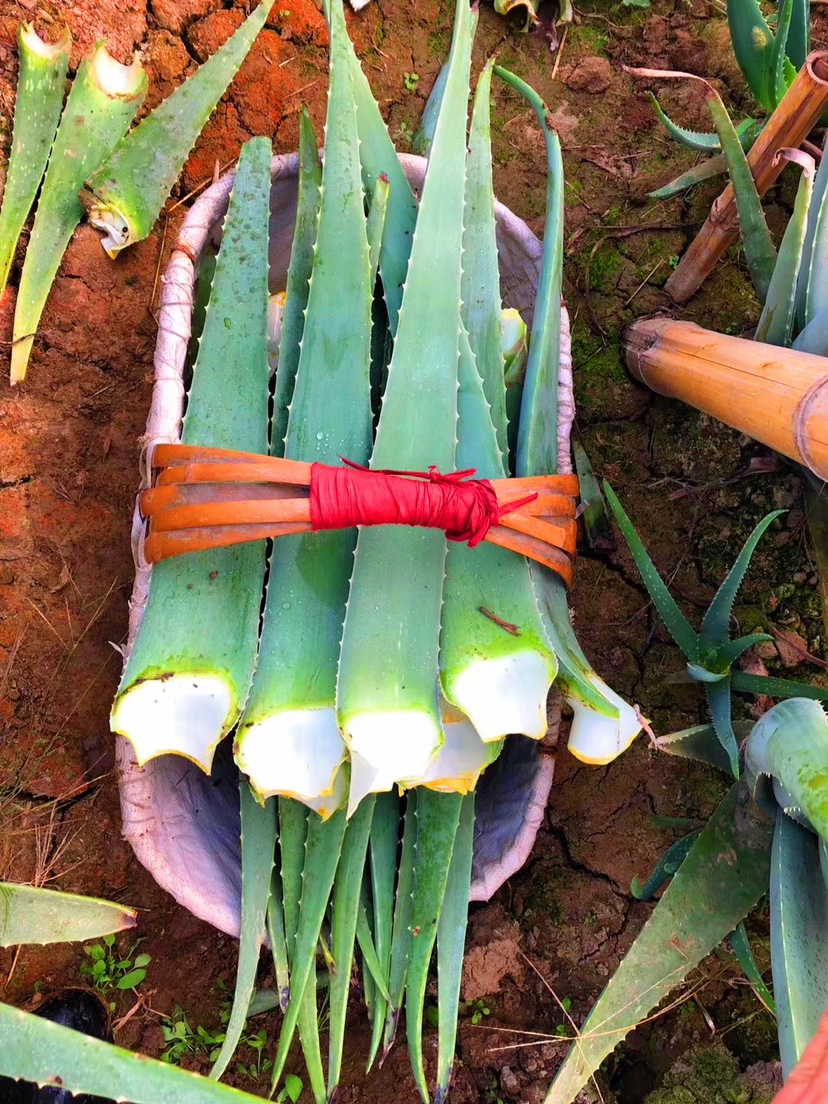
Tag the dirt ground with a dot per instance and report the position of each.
(68, 456)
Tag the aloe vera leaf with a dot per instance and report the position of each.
(378, 157)
(604, 725)
(421, 142)
(451, 941)
(665, 868)
(753, 45)
(776, 687)
(812, 293)
(715, 626)
(258, 840)
(537, 445)
(713, 166)
(293, 829)
(401, 929)
(374, 971)
(728, 653)
(30, 914)
(383, 846)
(323, 846)
(499, 679)
(480, 284)
(775, 325)
(809, 271)
(798, 44)
(740, 945)
(665, 604)
(718, 883)
(344, 917)
(702, 142)
(376, 225)
(387, 700)
(515, 338)
(700, 743)
(799, 938)
(278, 940)
(40, 87)
(778, 57)
(437, 822)
(298, 279)
(125, 195)
(35, 1049)
(760, 252)
(790, 743)
(288, 740)
(718, 696)
(203, 290)
(813, 338)
(104, 98)
(597, 527)
(187, 677)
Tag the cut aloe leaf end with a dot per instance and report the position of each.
(185, 714)
(506, 694)
(125, 195)
(457, 766)
(294, 753)
(597, 738)
(103, 101)
(396, 744)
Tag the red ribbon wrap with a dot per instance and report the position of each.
(465, 509)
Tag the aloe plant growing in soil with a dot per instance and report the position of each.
(769, 53)
(768, 829)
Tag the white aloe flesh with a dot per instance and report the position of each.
(103, 101)
(40, 88)
(387, 700)
(458, 764)
(454, 767)
(188, 674)
(288, 742)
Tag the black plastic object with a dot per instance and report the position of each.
(83, 1011)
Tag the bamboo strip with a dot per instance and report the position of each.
(777, 396)
(789, 125)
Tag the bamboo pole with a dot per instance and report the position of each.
(778, 396)
(789, 125)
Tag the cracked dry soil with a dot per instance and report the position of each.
(68, 471)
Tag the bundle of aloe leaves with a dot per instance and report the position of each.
(389, 665)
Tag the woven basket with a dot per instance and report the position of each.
(183, 825)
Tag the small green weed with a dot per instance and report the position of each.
(411, 80)
(255, 1070)
(107, 972)
(478, 1010)
(562, 1030)
(181, 1039)
(292, 1089)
